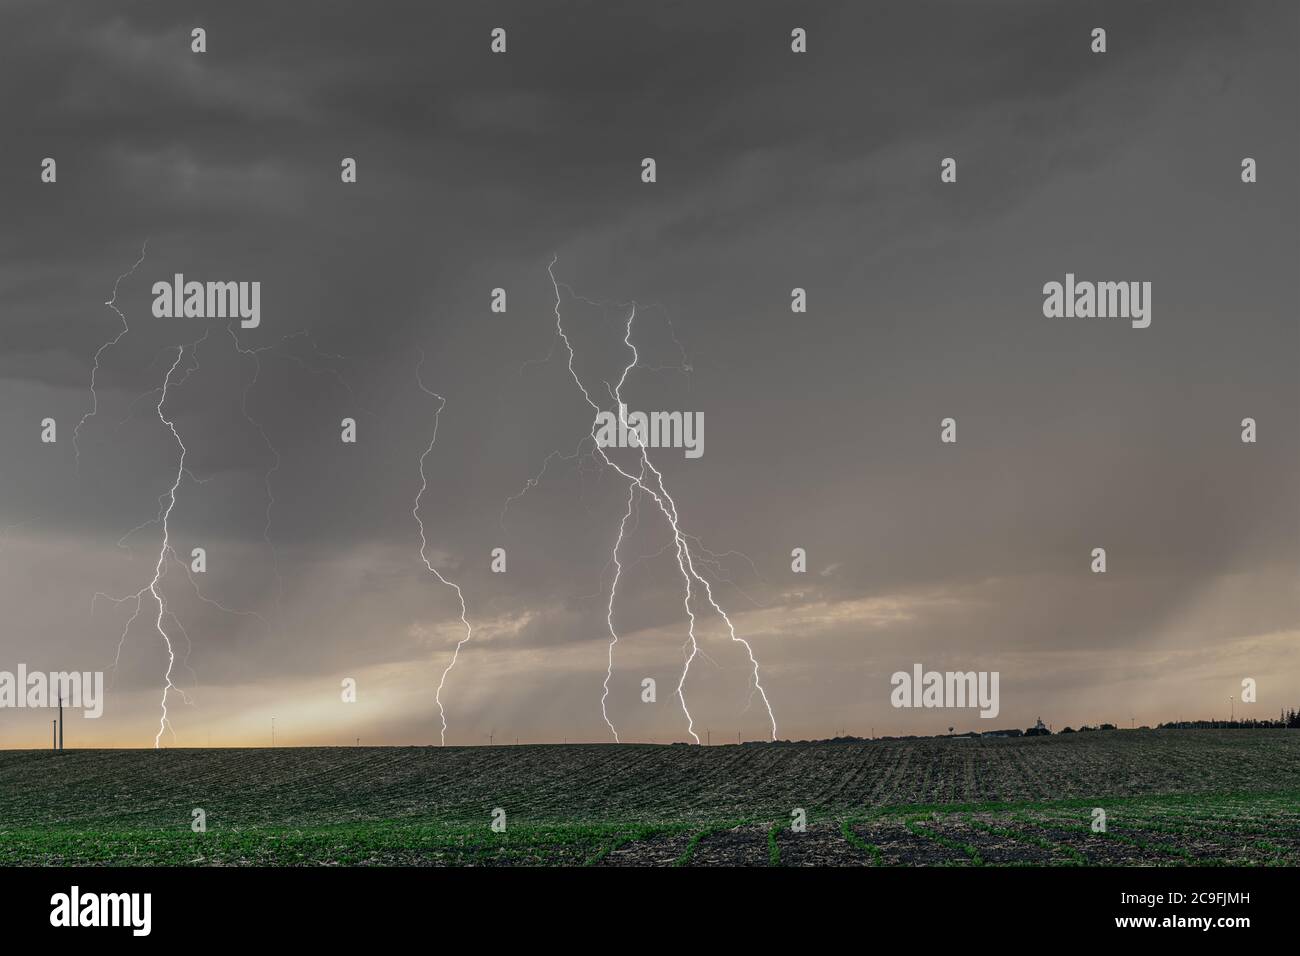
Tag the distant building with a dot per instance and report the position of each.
(1039, 729)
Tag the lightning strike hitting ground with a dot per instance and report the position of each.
(609, 612)
(424, 549)
(166, 546)
(656, 490)
(164, 549)
(167, 500)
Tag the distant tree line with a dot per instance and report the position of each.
(1285, 720)
(1086, 728)
(1288, 719)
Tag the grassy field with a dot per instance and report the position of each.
(1170, 798)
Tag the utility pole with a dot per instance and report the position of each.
(60, 717)
(54, 733)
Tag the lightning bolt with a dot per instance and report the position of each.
(424, 548)
(94, 372)
(166, 620)
(613, 590)
(650, 482)
(166, 507)
(165, 547)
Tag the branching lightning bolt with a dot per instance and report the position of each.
(613, 590)
(165, 546)
(165, 617)
(154, 587)
(424, 549)
(651, 483)
(94, 372)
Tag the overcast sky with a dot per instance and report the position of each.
(775, 170)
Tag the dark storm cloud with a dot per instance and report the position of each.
(236, 137)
